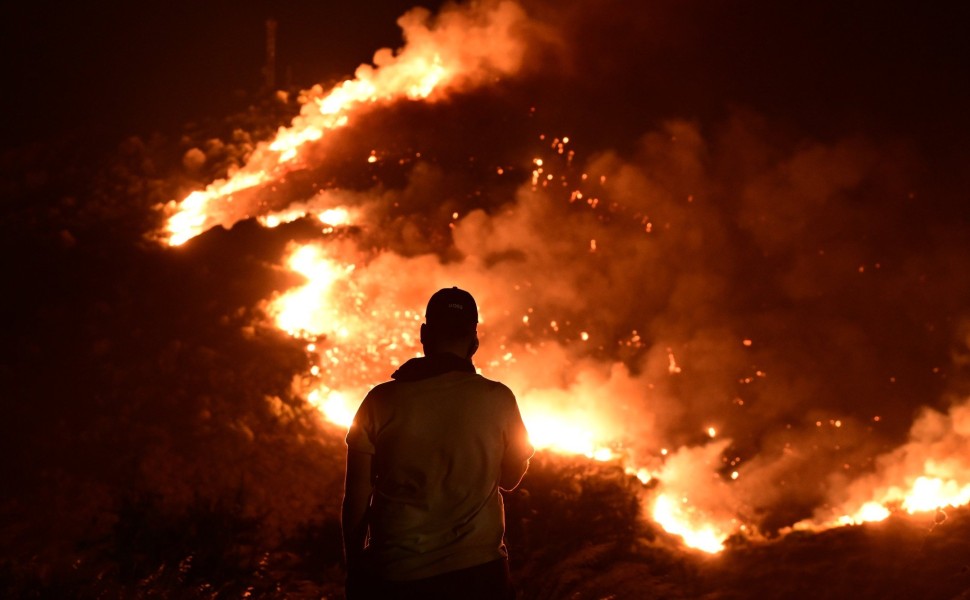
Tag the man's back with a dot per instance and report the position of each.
(426, 455)
(438, 443)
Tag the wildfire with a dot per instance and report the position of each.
(556, 430)
(355, 343)
(680, 519)
(924, 494)
(329, 310)
(458, 48)
(355, 340)
(360, 316)
(308, 310)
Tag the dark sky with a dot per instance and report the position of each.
(118, 67)
(139, 66)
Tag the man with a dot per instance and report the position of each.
(426, 456)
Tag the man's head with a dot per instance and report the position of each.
(451, 323)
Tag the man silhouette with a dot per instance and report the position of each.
(427, 454)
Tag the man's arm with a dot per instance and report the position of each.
(518, 449)
(358, 488)
(512, 474)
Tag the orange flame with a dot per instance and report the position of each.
(679, 518)
(459, 47)
(928, 473)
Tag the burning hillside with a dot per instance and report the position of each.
(729, 336)
(542, 258)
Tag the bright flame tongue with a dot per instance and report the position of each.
(679, 519)
(925, 494)
(459, 48)
(928, 473)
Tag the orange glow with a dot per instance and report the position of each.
(335, 406)
(335, 217)
(308, 310)
(561, 432)
(360, 322)
(924, 494)
(456, 49)
(680, 519)
(868, 513)
(930, 493)
(326, 311)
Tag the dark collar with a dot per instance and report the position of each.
(424, 367)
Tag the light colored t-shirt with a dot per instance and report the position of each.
(438, 445)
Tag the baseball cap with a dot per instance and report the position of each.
(452, 309)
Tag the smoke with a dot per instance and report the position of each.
(729, 295)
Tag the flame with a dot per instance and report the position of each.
(556, 430)
(924, 494)
(458, 48)
(680, 519)
(309, 310)
(336, 406)
(931, 493)
(928, 473)
(323, 310)
(335, 217)
(338, 216)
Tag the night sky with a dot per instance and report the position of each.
(116, 68)
(112, 68)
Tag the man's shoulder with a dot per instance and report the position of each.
(382, 389)
(489, 386)
(494, 387)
